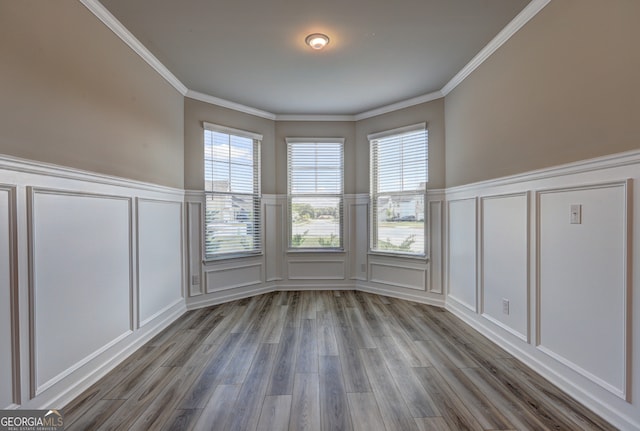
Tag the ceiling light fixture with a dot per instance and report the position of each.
(317, 40)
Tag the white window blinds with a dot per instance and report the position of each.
(232, 191)
(315, 189)
(399, 176)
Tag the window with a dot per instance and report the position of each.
(315, 193)
(232, 191)
(399, 176)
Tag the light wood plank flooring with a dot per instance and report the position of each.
(324, 361)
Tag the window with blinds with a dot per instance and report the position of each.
(399, 176)
(315, 193)
(232, 191)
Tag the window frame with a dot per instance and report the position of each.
(256, 195)
(340, 248)
(374, 193)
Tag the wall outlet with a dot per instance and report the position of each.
(505, 306)
(195, 279)
(576, 214)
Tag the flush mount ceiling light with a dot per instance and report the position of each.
(317, 40)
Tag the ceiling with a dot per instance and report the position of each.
(252, 52)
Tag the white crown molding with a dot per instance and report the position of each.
(229, 104)
(516, 24)
(127, 37)
(120, 30)
(399, 105)
(303, 117)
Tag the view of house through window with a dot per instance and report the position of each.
(315, 192)
(399, 176)
(232, 191)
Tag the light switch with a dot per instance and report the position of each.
(576, 214)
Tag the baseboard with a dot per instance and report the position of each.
(600, 408)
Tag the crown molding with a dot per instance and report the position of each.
(120, 30)
(399, 105)
(127, 37)
(505, 34)
(303, 117)
(228, 104)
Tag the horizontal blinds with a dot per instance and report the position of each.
(315, 186)
(232, 188)
(315, 168)
(400, 162)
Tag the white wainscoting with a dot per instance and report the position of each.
(273, 209)
(232, 276)
(572, 288)
(435, 244)
(195, 247)
(316, 268)
(81, 281)
(71, 248)
(359, 228)
(399, 274)
(9, 384)
(505, 258)
(582, 282)
(159, 257)
(462, 247)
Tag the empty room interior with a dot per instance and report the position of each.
(349, 215)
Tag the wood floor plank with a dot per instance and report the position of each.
(433, 424)
(307, 357)
(281, 380)
(415, 395)
(334, 410)
(453, 409)
(181, 420)
(355, 376)
(274, 325)
(305, 408)
(246, 411)
(275, 413)
(365, 414)
(199, 392)
(510, 407)
(327, 343)
(94, 416)
(217, 412)
(395, 413)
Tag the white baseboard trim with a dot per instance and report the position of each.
(400, 294)
(600, 408)
(66, 396)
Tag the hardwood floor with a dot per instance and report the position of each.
(324, 361)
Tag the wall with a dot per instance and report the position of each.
(91, 268)
(91, 226)
(562, 89)
(570, 286)
(278, 268)
(74, 94)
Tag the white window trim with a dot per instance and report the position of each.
(372, 237)
(238, 254)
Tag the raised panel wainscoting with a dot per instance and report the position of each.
(550, 257)
(91, 267)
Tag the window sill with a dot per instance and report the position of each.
(422, 258)
(315, 250)
(231, 256)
